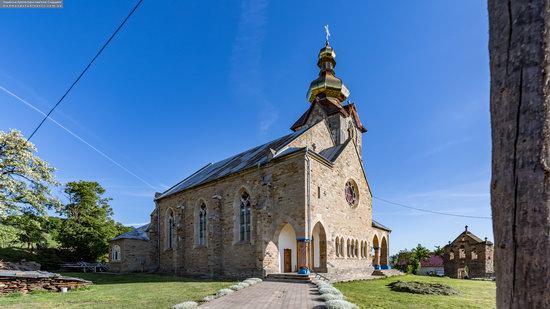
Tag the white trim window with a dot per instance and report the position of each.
(115, 253)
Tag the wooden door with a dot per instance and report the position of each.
(461, 273)
(288, 260)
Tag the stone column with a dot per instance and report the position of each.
(303, 255)
(376, 261)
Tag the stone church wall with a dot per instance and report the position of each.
(135, 256)
(277, 196)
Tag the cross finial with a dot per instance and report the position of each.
(327, 33)
(466, 227)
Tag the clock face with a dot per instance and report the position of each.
(351, 193)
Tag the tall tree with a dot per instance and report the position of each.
(520, 121)
(88, 225)
(25, 179)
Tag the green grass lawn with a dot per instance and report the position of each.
(376, 294)
(120, 291)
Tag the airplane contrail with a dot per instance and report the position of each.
(79, 138)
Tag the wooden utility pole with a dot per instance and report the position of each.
(520, 120)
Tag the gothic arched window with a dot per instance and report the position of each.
(115, 254)
(244, 217)
(337, 246)
(202, 225)
(474, 255)
(169, 229)
(451, 255)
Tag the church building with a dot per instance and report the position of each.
(298, 204)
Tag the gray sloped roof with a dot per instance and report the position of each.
(379, 225)
(139, 233)
(252, 157)
(333, 152)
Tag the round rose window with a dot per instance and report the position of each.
(351, 193)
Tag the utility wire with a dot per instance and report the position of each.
(80, 139)
(430, 211)
(85, 69)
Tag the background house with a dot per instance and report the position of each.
(431, 266)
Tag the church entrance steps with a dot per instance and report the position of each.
(289, 277)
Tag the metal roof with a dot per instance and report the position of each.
(139, 233)
(333, 152)
(379, 225)
(252, 157)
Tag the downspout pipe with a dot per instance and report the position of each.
(305, 270)
(158, 234)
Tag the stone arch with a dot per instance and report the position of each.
(287, 247)
(356, 247)
(271, 258)
(337, 246)
(348, 247)
(384, 252)
(319, 248)
(375, 252)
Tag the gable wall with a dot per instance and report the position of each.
(317, 138)
(337, 217)
(477, 268)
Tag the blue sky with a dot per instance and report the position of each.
(187, 83)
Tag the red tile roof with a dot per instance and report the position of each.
(432, 261)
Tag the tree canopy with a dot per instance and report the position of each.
(88, 225)
(25, 179)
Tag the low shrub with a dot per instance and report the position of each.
(250, 281)
(236, 287)
(339, 304)
(324, 285)
(244, 284)
(186, 305)
(209, 298)
(224, 292)
(329, 290)
(255, 279)
(416, 287)
(327, 297)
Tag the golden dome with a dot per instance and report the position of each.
(327, 83)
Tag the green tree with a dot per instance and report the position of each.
(417, 255)
(30, 229)
(439, 251)
(88, 225)
(25, 179)
(8, 235)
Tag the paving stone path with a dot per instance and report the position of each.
(268, 294)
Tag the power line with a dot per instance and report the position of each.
(85, 69)
(80, 139)
(430, 211)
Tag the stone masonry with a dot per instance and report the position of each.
(468, 256)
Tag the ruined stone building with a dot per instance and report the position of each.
(468, 256)
(300, 202)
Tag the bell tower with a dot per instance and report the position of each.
(327, 95)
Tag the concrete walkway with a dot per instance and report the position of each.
(268, 294)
